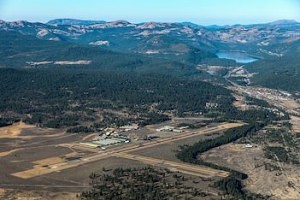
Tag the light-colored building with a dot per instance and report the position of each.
(105, 142)
(130, 127)
(165, 128)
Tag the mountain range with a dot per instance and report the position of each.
(150, 46)
(154, 38)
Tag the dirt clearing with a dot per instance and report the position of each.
(295, 121)
(14, 130)
(266, 176)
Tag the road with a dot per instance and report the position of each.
(176, 166)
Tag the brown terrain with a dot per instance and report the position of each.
(36, 162)
(280, 184)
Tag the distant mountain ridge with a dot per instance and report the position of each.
(68, 21)
(169, 48)
(284, 21)
(166, 40)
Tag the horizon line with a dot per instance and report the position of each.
(150, 21)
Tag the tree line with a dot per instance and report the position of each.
(67, 97)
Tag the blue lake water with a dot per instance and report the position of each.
(239, 57)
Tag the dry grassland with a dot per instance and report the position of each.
(14, 130)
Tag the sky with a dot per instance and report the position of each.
(205, 12)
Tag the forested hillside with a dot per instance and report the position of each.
(18, 50)
(23, 51)
(71, 97)
(279, 72)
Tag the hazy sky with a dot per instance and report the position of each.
(198, 11)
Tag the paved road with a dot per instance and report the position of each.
(176, 166)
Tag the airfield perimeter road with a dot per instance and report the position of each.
(123, 151)
(176, 166)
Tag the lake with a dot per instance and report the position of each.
(239, 57)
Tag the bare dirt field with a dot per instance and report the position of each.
(291, 104)
(295, 121)
(279, 184)
(68, 182)
(53, 186)
(240, 102)
(13, 131)
(10, 194)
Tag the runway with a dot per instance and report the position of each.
(124, 150)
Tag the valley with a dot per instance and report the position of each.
(208, 112)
